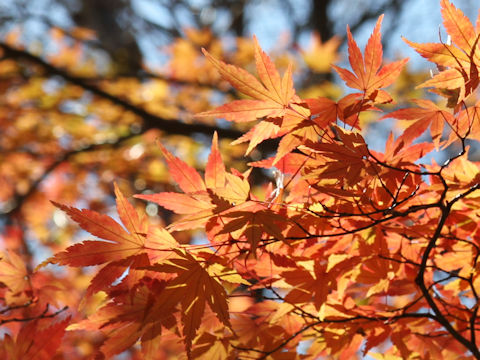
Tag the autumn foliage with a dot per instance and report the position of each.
(341, 252)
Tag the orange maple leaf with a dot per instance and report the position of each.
(129, 317)
(215, 174)
(14, 275)
(321, 55)
(120, 244)
(345, 159)
(254, 221)
(274, 100)
(326, 111)
(192, 288)
(195, 200)
(273, 94)
(367, 75)
(35, 341)
(457, 61)
(308, 285)
(200, 200)
(398, 153)
(428, 114)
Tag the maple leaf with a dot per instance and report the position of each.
(345, 159)
(14, 275)
(266, 129)
(458, 26)
(289, 164)
(192, 288)
(299, 130)
(215, 174)
(195, 199)
(308, 285)
(36, 342)
(275, 100)
(273, 94)
(211, 347)
(219, 192)
(398, 153)
(428, 114)
(114, 270)
(377, 273)
(367, 75)
(141, 313)
(321, 55)
(130, 316)
(184, 175)
(457, 61)
(376, 337)
(466, 123)
(252, 220)
(326, 111)
(120, 243)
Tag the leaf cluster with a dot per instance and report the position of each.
(347, 251)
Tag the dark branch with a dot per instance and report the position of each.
(150, 121)
(43, 315)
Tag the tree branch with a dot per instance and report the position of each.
(150, 120)
(43, 315)
(420, 279)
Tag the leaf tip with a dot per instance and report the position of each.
(116, 188)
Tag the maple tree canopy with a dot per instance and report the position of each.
(342, 250)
